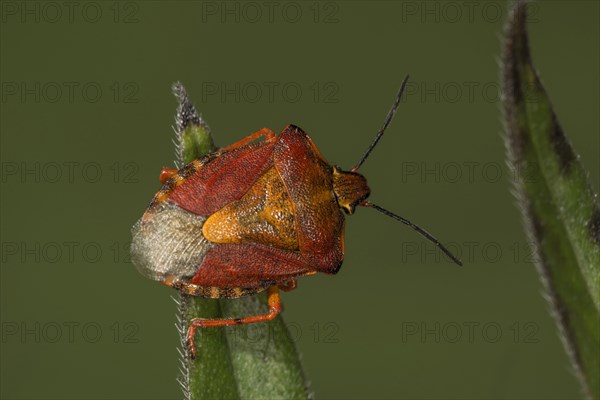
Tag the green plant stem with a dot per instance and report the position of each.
(560, 210)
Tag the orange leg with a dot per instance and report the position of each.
(166, 174)
(288, 286)
(266, 132)
(274, 308)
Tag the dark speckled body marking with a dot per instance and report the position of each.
(212, 292)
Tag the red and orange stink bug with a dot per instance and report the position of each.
(253, 216)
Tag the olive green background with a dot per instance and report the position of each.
(85, 325)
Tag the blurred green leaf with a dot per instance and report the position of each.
(560, 210)
(239, 362)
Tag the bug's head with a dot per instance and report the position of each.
(350, 189)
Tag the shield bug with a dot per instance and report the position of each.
(253, 216)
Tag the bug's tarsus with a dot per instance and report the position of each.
(388, 120)
(417, 228)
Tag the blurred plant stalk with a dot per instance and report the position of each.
(560, 211)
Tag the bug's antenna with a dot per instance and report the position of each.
(388, 120)
(420, 230)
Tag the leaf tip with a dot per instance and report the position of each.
(186, 112)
